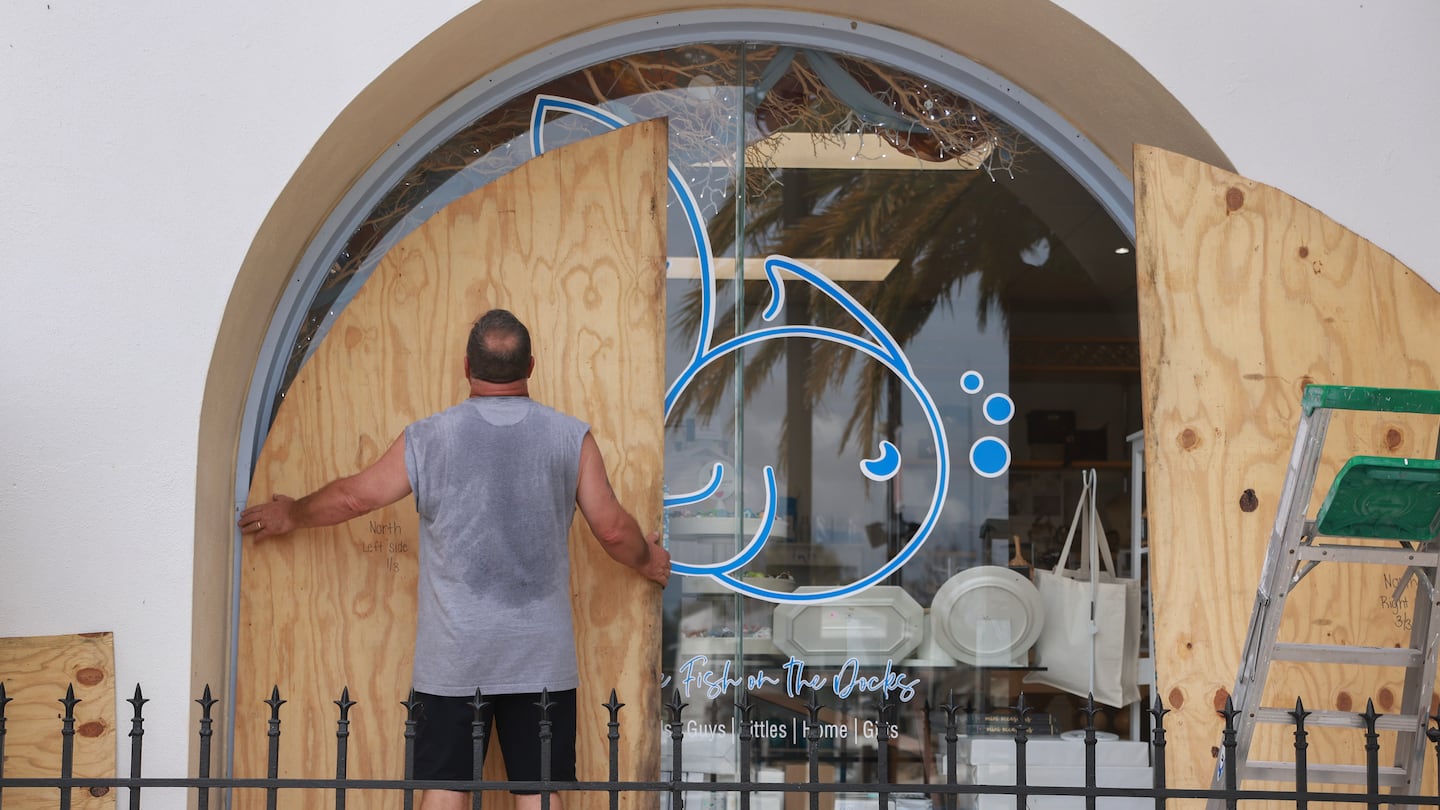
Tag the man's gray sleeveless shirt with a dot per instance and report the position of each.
(494, 481)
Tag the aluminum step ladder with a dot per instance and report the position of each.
(1372, 498)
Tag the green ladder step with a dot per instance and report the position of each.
(1384, 498)
(1360, 398)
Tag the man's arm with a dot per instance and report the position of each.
(614, 527)
(380, 484)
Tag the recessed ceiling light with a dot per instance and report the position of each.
(1122, 250)
(1037, 254)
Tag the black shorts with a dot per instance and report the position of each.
(444, 742)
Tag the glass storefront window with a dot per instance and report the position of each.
(967, 345)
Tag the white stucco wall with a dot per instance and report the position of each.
(141, 144)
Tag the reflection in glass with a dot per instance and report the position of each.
(993, 270)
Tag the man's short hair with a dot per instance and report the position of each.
(499, 348)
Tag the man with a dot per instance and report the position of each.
(496, 482)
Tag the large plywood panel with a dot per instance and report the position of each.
(1246, 296)
(37, 672)
(573, 243)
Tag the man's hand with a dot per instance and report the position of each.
(657, 567)
(380, 484)
(271, 519)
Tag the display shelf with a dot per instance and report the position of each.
(709, 587)
(1079, 359)
(1049, 465)
(711, 526)
(727, 645)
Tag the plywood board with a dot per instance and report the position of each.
(37, 671)
(1246, 296)
(573, 243)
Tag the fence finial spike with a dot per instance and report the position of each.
(675, 706)
(275, 702)
(1228, 712)
(613, 705)
(345, 702)
(743, 704)
(1090, 711)
(206, 701)
(69, 701)
(137, 701)
(1370, 715)
(410, 704)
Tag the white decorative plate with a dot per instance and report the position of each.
(987, 616)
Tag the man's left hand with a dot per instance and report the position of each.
(271, 519)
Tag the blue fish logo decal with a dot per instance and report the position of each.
(989, 455)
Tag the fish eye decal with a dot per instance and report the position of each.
(884, 466)
(989, 455)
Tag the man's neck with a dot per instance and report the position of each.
(485, 388)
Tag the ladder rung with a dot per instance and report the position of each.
(1335, 552)
(1385, 722)
(1348, 654)
(1323, 774)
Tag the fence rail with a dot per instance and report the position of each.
(944, 795)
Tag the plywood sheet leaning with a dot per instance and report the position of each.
(1246, 296)
(573, 243)
(37, 672)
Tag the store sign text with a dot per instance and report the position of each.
(798, 729)
(698, 676)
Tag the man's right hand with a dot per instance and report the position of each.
(657, 566)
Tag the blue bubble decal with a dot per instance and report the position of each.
(990, 457)
(999, 409)
(883, 467)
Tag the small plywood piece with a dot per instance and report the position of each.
(573, 243)
(1246, 296)
(37, 671)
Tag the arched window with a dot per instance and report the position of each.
(946, 214)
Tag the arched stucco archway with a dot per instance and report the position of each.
(1108, 98)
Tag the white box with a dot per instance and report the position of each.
(768, 801)
(1065, 775)
(1051, 751)
(991, 802)
(704, 752)
(1060, 763)
(868, 801)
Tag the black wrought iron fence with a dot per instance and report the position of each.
(946, 795)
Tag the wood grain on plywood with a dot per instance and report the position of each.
(37, 672)
(1246, 296)
(573, 243)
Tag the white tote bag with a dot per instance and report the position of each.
(1090, 643)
